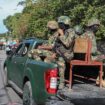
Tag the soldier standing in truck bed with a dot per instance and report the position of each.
(64, 46)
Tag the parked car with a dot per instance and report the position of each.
(11, 46)
(35, 80)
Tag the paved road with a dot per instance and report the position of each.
(10, 94)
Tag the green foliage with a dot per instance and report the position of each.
(32, 21)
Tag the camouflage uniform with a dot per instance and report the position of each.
(49, 53)
(67, 44)
(37, 53)
(64, 48)
(90, 34)
(95, 54)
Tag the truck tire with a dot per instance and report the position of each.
(5, 77)
(27, 94)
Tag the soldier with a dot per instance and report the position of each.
(52, 34)
(92, 28)
(46, 48)
(66, 40)
(64, 46)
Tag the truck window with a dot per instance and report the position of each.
(19, 50)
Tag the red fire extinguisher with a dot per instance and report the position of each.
(51, 81)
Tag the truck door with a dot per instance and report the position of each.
(12, 70)
(20, 64)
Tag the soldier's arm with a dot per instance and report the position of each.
(67, 40)
(93, 39)
(45, 47)
(50, 43)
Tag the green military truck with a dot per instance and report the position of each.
(35, 80)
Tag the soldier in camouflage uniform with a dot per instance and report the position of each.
(46, 48)
(92, 28)
(64, 46)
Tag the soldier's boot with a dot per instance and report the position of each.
(103, 83)
(97, 80)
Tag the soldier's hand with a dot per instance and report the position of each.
(40, 47)
(100, 57)
(54, 56)
(60, 31)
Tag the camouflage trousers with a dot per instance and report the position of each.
(61, 66)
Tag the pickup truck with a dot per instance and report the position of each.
(35, 80)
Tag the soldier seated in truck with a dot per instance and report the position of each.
(45, 50)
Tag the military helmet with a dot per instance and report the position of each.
(52, 25)
(93, 21)
(64, 19)
(78, 29)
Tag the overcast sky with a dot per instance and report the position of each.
(8, 7)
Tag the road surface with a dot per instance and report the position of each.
(8, 94)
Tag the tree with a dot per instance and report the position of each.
(39, 12)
